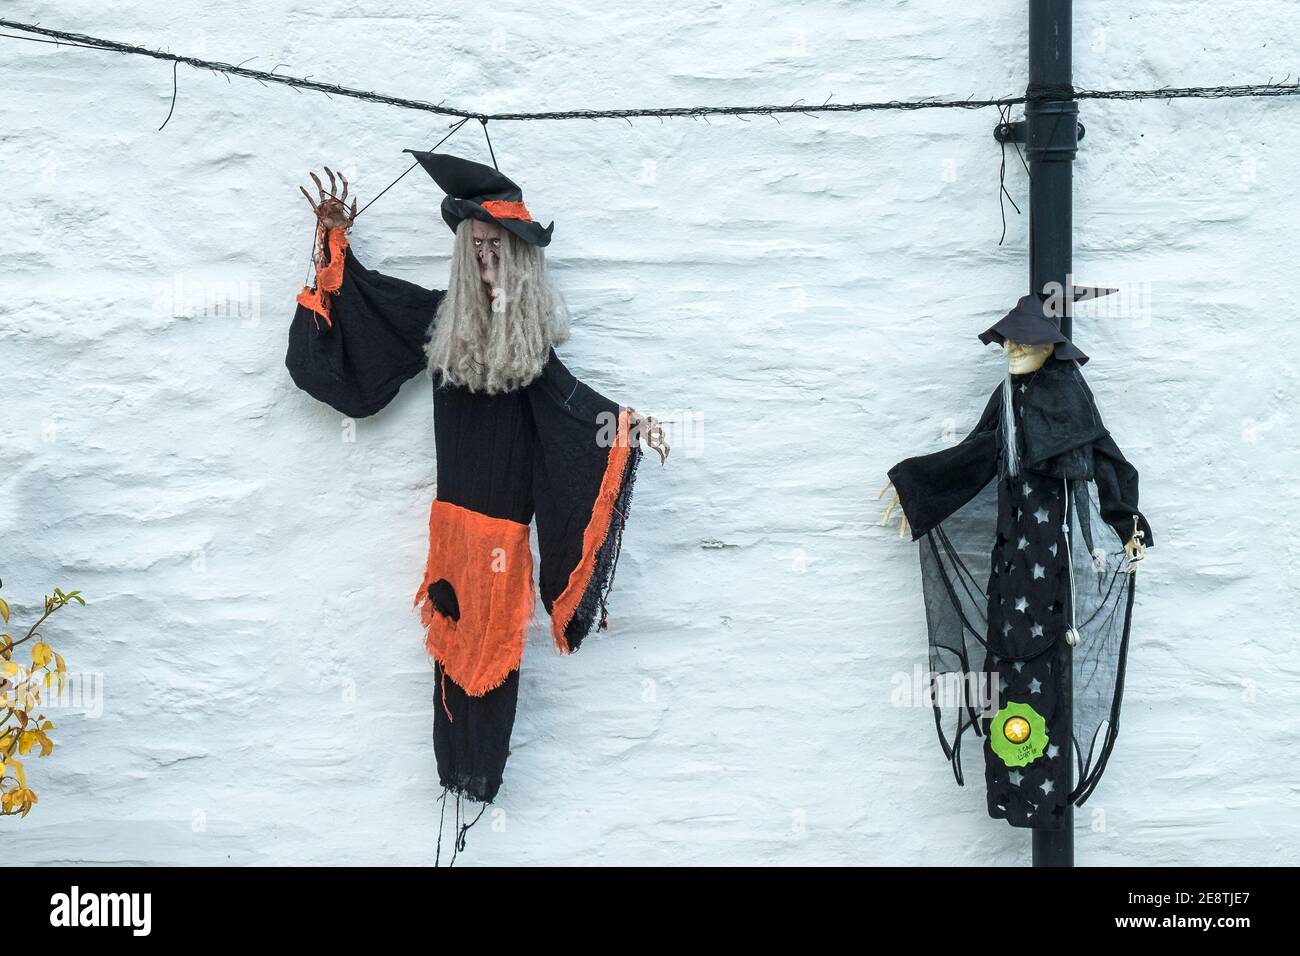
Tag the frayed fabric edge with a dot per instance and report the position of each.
(592, 578)
(329, 277)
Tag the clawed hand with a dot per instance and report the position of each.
(645, 427)
(894, 503)
(332, 211)
(1133, 547)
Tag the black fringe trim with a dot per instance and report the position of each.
(466, 789)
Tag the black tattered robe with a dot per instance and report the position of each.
(1010, 563)
(553, 451)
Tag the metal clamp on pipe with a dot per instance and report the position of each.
(1015, 132)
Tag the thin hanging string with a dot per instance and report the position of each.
(1020, 154)
(459, 829)
(463, 829)
(311, 257)
(83, 41)
(455, 843)
(316, 240)
(455, 128)
(442, 817)
(175, 65)
(1004, 113)
(489, 142)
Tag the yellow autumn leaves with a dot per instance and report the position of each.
(23, 728)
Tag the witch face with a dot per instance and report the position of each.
(1024, 358)
(500, 315)
(487, 249)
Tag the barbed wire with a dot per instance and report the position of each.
(1042, 92)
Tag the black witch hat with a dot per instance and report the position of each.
(1031, 322)
(481, 192)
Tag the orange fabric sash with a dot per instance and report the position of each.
(329, 278)
(489, 564)
(593, 536)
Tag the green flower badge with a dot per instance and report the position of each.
(1018, 734)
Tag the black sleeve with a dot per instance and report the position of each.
(357, 335)
(584, 467)
(931, 487)
(1117, 491)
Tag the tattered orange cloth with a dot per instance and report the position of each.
(329, 275)
(484, 568)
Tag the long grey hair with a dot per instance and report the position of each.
(497, 344)
(1009, 444)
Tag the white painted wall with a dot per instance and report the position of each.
(810, 288)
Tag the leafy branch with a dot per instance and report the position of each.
(23, 726)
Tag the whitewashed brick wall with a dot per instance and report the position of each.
(810, 290)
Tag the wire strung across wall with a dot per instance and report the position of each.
(1042, 92)
(1003, 103)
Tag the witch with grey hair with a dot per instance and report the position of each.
(518, 439)
(1042, 480)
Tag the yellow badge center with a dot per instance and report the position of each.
(1016, 730)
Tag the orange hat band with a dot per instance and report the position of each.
(502, 209)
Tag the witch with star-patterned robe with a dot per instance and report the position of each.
(1057, 518)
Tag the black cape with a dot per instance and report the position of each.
(1009, 565)
(540, 453)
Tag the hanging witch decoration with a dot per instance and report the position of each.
(1029, 534)
(518, 438)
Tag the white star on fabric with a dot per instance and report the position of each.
(1023, 388)
(1041, 515)
(1006, 628)
(1025, 486)
(1036, 631)
(1017, 778)
(1021, 604)
(1053, 750)
(1024, 543)
(1053, 549)
(1039, 572)
(1017, 665)
(1047, 786)
(1035, 686)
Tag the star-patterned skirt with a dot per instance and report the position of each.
(1029, 593)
